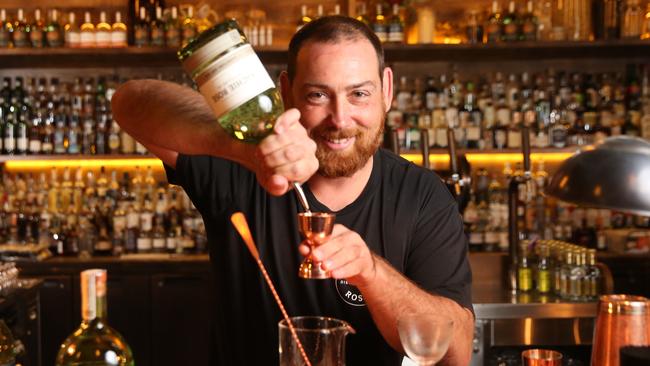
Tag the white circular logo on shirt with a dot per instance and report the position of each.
(350, 294)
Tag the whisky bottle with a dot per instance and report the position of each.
(21, 132)
(95, 341)
(304, 18)
(510, 24)
(103, 32)
(593, 278)
(34, 132)
(494, 24)
(6, 29)
(74, 134)
(157, 27)
(114, 138)
(21, 31)
(87, 32)
(529, 24)
(54, 33)
(379, 25)
(577, 275)
(132, 228)
(9, 137)
(396, 26)
(189, 27)
(524, 270)
(142, 33)
(173, 30)
(632, 20)
(543, 273)
(144, 243)
(37, 31)
(118, 32)
(72, 32)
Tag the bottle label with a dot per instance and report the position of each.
(524, 279)
(36, 36)
(132, 220)
(145, 221)
(157, 37)
(514, 139)
(113, 142)
(543, 280)
(72, 39)
(22, 143)
(159, 243)
(35, 146)
(395, 33)
(170, 243)
(173, 37)
(118, 38)
(87, 39)
(20, 38)
(9, 144)
(103, 245)
(144, 244)
(54, 38)
(234, 79)
(119, 223)
(5, 37)
(381, 32)
(103, 39)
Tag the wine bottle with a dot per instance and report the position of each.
(94, 342)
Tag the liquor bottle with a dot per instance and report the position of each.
(144, 243)
(72, 32)
(21, 132)
(101, 134)
(593, 277)
(103, 245)
(577, 275)
(60, 132)
(87, 37)
(473, 119)
(173, 30)
(34, 132)
(142, 33)
(543, 273)
(102, 32)
(132, 227)
(379, 25)
(189, 27)
(500, 128)
(157, 27)
(524, 270)
(95, 341)
(529, 24)
(395, 26)
(632, 20)
(74, 134)
(304, 18)
(118, 32)
(473, 29)
(21, 31)
(494, 24)
(6, 30)
(9, 142)
(510, 24)
(114, 138)
(37, 30)
(54, 33)
(612, 18)
(645, 29)
(362, 13)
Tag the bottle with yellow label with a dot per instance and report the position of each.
(543, 274)
(524, 270)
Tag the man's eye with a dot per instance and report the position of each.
(316, 95)
(360, 94)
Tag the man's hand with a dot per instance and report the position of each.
(345, 255)
(287, 155)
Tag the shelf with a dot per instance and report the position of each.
(492, 157)
(165, 57)
(30, 162)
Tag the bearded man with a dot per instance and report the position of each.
(398, 244)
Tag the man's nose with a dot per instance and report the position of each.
(340, 112)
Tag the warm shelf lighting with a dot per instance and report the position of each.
(486, 159)
(82, 163)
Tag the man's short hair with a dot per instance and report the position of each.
(331, 29)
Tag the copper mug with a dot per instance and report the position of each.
(541, 357)
(623, 320)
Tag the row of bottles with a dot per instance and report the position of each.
(164, 27)
(539, 216)
(83, 213)
(559, 268)
(41, 117)
(561, 108)
(50, 31)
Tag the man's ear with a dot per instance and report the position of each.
(285, 89)
(387, 87)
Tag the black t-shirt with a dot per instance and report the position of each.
(405, 214)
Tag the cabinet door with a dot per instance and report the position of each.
(180, 307)
(56, 315)
(128, 311)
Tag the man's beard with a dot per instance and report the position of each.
(336, 164)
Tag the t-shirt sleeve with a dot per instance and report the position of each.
(437, 260)
(213, 184)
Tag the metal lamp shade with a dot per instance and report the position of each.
(613, 174)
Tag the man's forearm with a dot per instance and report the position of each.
(173, 117)
(391, 294)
